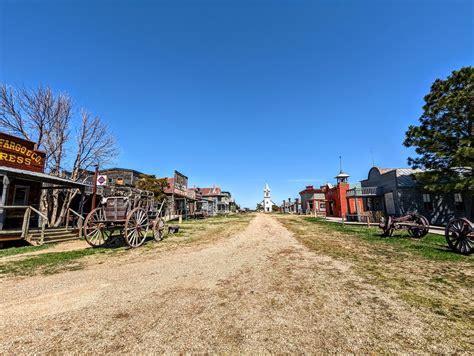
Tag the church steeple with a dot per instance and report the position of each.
(266, 191)
(267, 200)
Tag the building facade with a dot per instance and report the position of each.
(219, 201)
(22, 183)
(313, 201)
(395, 191)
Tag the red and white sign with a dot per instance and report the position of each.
(101, 180)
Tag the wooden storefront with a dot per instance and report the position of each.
(22, 181)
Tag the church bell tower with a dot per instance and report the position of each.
(267, 200)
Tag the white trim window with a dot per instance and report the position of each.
(427, 202)
(21, 194)
(458, 202)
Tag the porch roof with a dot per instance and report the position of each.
(40, 177)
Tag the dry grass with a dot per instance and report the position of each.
(440, 291)
(76, 255)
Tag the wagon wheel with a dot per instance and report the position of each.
(388, 228)
(95, 229)
(458, 236)
(136, 227)
(159, 230)
(421, 230)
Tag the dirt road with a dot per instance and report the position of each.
(258, 290)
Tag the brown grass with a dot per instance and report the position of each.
(440, 291)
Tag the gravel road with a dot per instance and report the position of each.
(256, 291)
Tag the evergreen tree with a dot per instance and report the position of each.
(153, 184)
(444, 138)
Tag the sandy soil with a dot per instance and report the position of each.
(255, 291)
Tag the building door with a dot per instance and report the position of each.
(331, 208)
(389, 203)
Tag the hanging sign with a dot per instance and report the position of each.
(101, 180)
(19, 153)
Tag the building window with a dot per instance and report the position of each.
(427, 203)
(458, 202)
(322, 206)
(369, 204)
(20, 195)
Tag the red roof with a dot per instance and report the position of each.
(311, 189)
(211, 191)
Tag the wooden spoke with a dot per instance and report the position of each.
(136, 227)
(459, 237)
(95, 228)
(159, 229)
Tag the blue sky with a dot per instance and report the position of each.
(237, 93)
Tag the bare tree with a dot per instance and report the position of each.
(37, 115)
(40, 116)
(95, 146)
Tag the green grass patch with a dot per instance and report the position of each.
(52, 262)
(10, 251)
(431, 246)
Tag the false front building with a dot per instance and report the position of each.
(395, 191)
(313, 201)
(22, 182)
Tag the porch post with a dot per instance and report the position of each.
(6, 184)
(81, 203)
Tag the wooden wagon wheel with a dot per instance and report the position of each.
(95, 229)
(388, 228)
(159, 230)
(136, 227)
(459, 237)
(421, 230)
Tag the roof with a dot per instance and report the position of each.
(40, 177)
(342, 175)
(311, 189)
(404, 176)
(211, 191)
(121, 169)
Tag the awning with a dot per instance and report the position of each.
(40, 177)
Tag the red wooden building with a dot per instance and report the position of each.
(337, 203)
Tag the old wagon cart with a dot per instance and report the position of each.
(459, 235)
(416, 225)
(130, 215)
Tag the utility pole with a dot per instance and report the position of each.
(94, 186)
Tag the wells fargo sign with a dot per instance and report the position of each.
(18, 153)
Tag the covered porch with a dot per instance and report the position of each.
(20, 198)
(364, 204)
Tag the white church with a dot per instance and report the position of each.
(267, 202)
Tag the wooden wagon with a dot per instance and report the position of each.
(129, 215)
(416, 225)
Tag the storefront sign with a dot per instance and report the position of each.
(19, 153)
(180, 181)
(185, 193)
